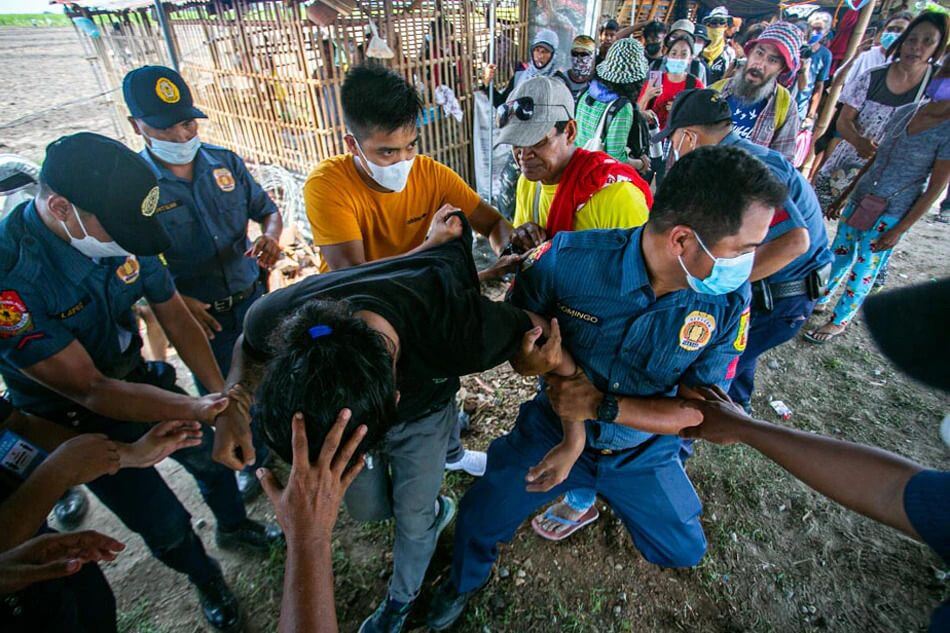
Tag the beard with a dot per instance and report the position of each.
(747, 92)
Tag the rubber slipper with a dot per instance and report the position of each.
(587, 518)
(814, 340)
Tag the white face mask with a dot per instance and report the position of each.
(393, 177)
(175, 153)
(90, 246)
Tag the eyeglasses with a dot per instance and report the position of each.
(523, 108)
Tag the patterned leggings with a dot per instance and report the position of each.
(856, 265)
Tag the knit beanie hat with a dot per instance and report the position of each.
(784, 36)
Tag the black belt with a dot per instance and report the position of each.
(785, 289)
(223, 305)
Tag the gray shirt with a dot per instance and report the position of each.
(904, 162)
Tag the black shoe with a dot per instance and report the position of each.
(248, 485)
(447, 605)
(71, 508)
(251, 535)
(219, 605)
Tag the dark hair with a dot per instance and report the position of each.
(671, 41)
(654, 28)
(351, 367)
(900, 15)
(752, 33)
(710, 190)
(610, 25)
(375, 97)
(939, 20)
(560, 126)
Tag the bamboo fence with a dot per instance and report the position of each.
(269, 79)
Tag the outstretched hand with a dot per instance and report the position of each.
(53, 556)
(161, 441)
(307, 506)
(723, 420)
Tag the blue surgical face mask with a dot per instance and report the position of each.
(175, 153)
(677, 66)
(727, 273)
(888, 38)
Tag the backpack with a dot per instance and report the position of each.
(598, 141)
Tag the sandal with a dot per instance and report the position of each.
(591, 515)
(817, 337)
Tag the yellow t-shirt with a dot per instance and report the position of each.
(619, 205)
(341, 208)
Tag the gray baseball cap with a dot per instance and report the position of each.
(532, 110)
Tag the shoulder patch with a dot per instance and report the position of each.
(535, 255)
(697, 330)
(129, 271)
(15, 318)
(742, 336)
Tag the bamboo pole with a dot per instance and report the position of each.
(166, 33)
(828, 107)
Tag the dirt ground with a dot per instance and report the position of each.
(780, 558)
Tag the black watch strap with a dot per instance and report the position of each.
(608, 409)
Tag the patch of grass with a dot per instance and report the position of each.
(137, 620)
(34, 19)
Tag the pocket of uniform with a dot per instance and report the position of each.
(679, 491)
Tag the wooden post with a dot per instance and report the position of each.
(828, 108)
(166, 32)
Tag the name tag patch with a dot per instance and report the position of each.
(128, 272)
(577, 314)
(224, 179)
(15, 319)
(73, 311)
(168, 206)
(697, 330)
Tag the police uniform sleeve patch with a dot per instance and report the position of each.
(150, 203)
(697, 330)
(15, 318)
(129, 271)
(167, 91)
(29, 338)
(742, 336)
(168, 206)
(535, 255)
(224, 179)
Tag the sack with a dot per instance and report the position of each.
(802, 145)
(867, 212)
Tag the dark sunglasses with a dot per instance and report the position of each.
(523, 109)
(716, 23)
(580, 54)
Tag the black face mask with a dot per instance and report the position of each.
(653, 49)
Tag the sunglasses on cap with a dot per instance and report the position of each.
(523, 109)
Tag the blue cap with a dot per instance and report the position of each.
(159, 96)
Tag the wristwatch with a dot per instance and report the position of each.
(608, 409)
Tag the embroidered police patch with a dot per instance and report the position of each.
(224, 178)
(167, 91)
(128, 272)
(535, 255)
(15, 319)
(742, 336)
(697, 330)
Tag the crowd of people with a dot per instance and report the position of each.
(664, 237)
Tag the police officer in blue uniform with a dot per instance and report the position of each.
(206, 199)
(646, 313)
(792, 266)
(72, 263)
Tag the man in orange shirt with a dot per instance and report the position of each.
(376, 202)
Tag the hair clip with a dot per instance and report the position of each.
(318, 331)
